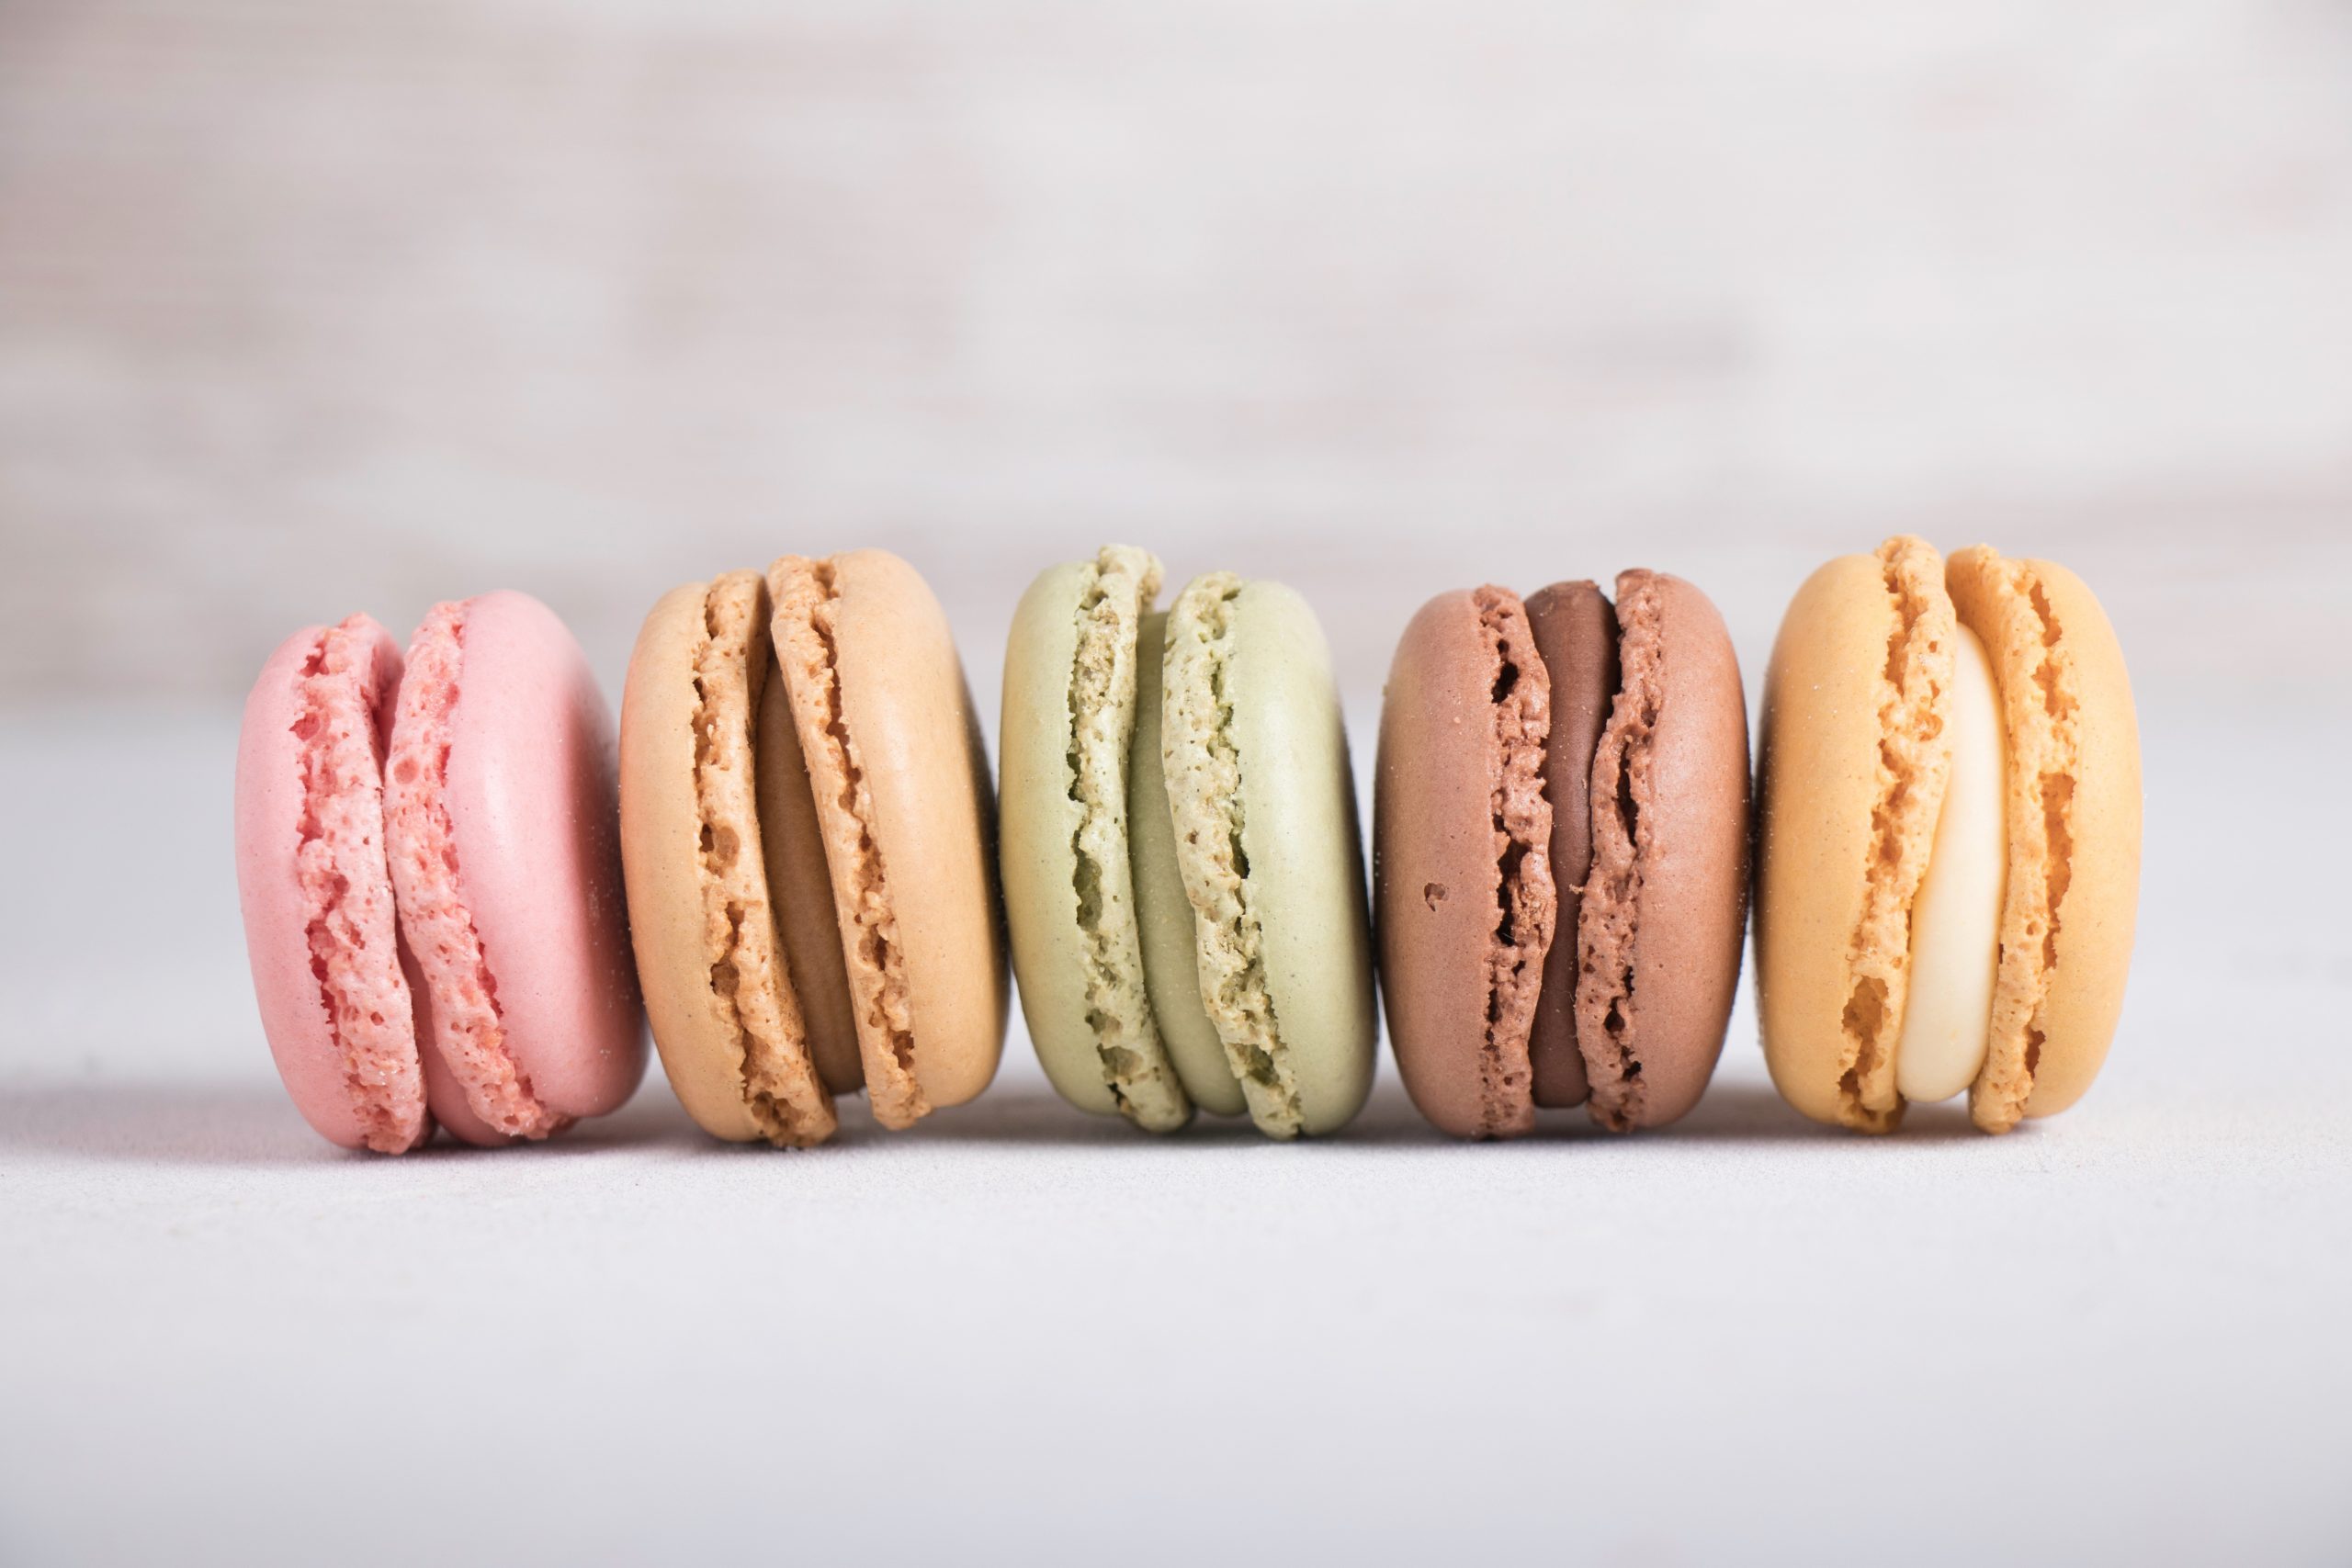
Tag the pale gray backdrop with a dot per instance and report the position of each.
(309, 306)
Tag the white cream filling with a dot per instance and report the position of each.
(1956, 922)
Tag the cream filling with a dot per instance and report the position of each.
(1956, 923)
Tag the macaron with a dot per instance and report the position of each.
(1560, 852)
(430, 879)
(807, 828)
(1181, 857)
(1950, 803)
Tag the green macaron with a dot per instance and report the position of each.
(1182, 861)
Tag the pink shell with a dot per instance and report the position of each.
(532, 801)
(316, 896)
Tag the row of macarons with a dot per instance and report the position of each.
(465, 897)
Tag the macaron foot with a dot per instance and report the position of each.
(429, 889)
(806, 605)
(2012, 609)
(1661, 915)
(782, 1092)
(1166, 929)
(1520, 829)
(1204, 795)
(1120, 587)
(1914, 766)
(1610, 905)
(339, 866)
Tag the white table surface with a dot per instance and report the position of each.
(1018, 1333)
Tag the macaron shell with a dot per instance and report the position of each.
(661, 826)
(1437, 869)
(532, 803)
(1825, 873)
(2075, 766)
(1688, 906)
(1576, 636)
(1038, 823)
(1163, 912)
(1046, 825)
(1306, 851)
(905, 705)
(735, 1050)
(270, 805)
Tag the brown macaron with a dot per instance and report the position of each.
(1528, 961)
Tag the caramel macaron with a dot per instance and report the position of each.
(1949, 785)
(1560, 852)
(808, 834)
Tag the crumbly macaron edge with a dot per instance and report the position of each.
(1609, 910)
(2041, 705)
(806, 594)
(1519, 826)
(1912, 769)
(342, 868)
(1165, 921)
(749, 984)
(428, 888)
(1115, 592)
(1203, 770)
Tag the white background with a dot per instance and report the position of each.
(309, 307)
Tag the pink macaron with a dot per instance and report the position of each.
(428, 863)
